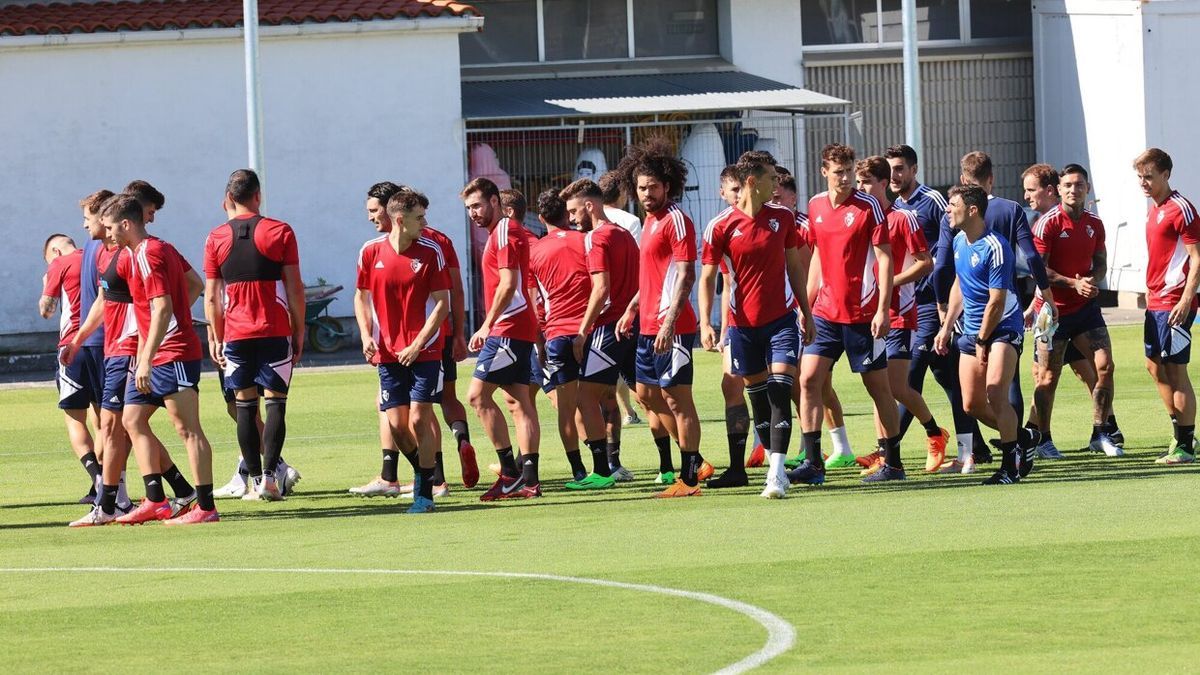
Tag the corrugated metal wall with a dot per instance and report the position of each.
(968, 104)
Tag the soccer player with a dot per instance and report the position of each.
(614, 211)
(758, 241)
(661, 311)
(514, 207)
(911, 262)
(254, 302)
(401, 303)
(984, 297)
(603, 356)
(504, 341)
(850, 233)
(166, 371)
(558, 263)
(1172, 274)
(79, 379)
(1071, 241)
(930, 208)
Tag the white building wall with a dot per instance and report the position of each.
(341, 112)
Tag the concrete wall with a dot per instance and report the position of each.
(340, 113)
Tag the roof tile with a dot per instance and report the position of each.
(136, 15)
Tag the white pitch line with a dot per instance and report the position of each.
(781, 635)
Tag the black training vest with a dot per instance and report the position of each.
(115, 288)
(245, 262)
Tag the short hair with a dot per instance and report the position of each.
(753, 163)
(383, 191)
(51, 239)
(787, 181)
(781, 170)
(610, 185)
(243, 185)
(976, 166)
(94, 201)
(730, 173)
(1046, 175)
(552, 208)
(406, 200)
(483, 186)
(874, 166)
(513, 199)
(971, 195)
(836, 153)
(1075, 168)
(145, 193)
(123, 207)
(901, 151)
(1156, 158)
(584, 187)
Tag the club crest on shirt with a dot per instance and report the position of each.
(416, 266)
(849, 219)
(773, 224)
(1091, 232)
(974, 259)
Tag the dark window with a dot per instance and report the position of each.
(936, 20)
(839, 22)
(509, 34)
(675, 27)
(1001, 18)
(586, 29)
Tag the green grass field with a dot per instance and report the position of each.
(1089, 565)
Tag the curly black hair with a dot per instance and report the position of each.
(653, 157)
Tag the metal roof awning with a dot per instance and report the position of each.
(637, 95)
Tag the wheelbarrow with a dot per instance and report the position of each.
(325, 333)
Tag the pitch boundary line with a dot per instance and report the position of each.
(781, 635)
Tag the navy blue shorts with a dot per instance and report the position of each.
(1077, 323)
(928, 325)
(561, 366)
(264, 362)
(401, 385)
(863, 351)
(607, 358)
(449, 365)
(116, 374)
(537, 376)
(229, 394)
(165, 381)
(966, 343)
(668, 370)
(503, 361)
(1168, 344)
(81, 382)
(899, 344)
(753, 350)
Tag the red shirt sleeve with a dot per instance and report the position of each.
(1188, 226)
(449, 253)
(154, 274)
(441, 274)
(879, 228)
(714, 248)
(683, 248)
(508, 253)
(1044, 234)
(366, 261)
(1099, 235)
(791, 237)
(916, 238)
(212, 267)
(597, 258)
(54, 278)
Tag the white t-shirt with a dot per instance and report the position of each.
(626, 220)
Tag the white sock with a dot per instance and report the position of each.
(776, 464)
(122, 495)
(841, 442)
(965, 446)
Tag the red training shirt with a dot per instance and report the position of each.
(62, 282)
(1067, 247)
(402, 285)
(610, 248)
(120, 321)
(559, 267)
(1169, 226)
(507, 247)
(668, 237)
(450, 256)
(754, 251)
(845, 236)
(907, 239)
(159, 271)
(254, 308)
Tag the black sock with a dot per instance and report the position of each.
(391, 464)
(932, 430)
(1097, 429)
(508, 464)
(779, 392)
(1008, 456)
(891, 453)
(614, 454)
(108, 499)
(599, 457)
(413, 461)
(249, 440)
(461, 434)
(1186, 434)
(737, 430)
(691, 467)
(1046, 436)
(242, 470)
(274, 431)
(810, 443)
(576, 462)
(1112, 423)
(760, 408)
(439, 469)
(529, 468)
(154, 487)
(91, 465)
(204, 497)
(425, 489)
(178, 483)
(665, 461)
